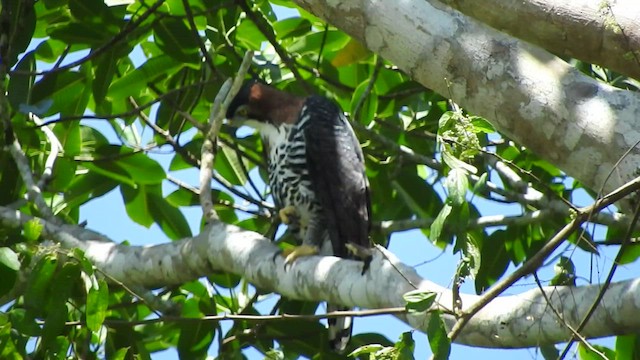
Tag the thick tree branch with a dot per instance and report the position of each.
(510, 321)
(606, 32)
(565, 117)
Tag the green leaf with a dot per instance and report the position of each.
(126, 166)
(53, 325)
(565, 272)
(175, 39)
(145, 205)
(9, 259)
(97, 304)
(630, 254)
(132, 83)
(103, 73)
(457, 186)
(86, 187)
(66, 91)
(227, 164)
(627, 347)
(455, 163)
(142, 169)
(249, 34)
(366, 349)
(9, 266)
(8, 349)
(21, 27)
(587, 354)
(24, 322)
(370, 105)
(184, 197)
(20, 85)
(80, 33)
(437, 226)
(226, 280)
(32, 230)
(495, 259)
(437, 334)
(291, 27)
(405, 346)
(170, 219)
(352, 53)
(481, 183)
(549, 352)
(195, 338)
(419, 300)
(39, 282)
(408, 198)
(49, 51)
(110, 170)
(136, 202)
(481, 125)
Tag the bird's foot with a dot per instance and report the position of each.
(290, 255)
(288, 214)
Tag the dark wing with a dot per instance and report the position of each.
(336, 170)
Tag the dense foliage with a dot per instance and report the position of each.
(156, 66)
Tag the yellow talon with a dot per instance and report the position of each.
(287, 213)
(290, 255)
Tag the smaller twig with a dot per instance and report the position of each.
(34, 192)
(400, 149)
(509, 175)
(367, 90)
(608, 280)
(217, 113)
(561, 318)
(56, 148)
(255, 318)
(383, 252)
(481, 222)
(194, 30)
(530, 265)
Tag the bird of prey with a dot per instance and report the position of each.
(316, 174)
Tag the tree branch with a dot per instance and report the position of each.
(599, 32)
(505, 322)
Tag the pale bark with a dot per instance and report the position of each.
(582, 126)
(522, 320)
(606, 33)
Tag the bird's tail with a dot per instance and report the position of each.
(339, 328)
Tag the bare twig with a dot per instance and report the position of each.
(218, 112)
(481, 222)
(253, 318)
(56, 148)
(534, 262)
(365, 94)
(34, 192)
(561, 318)
(607, 282)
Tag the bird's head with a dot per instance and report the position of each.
(258, 104)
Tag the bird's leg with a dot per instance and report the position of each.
(361, 253)
(312, 236)
(288, 214)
